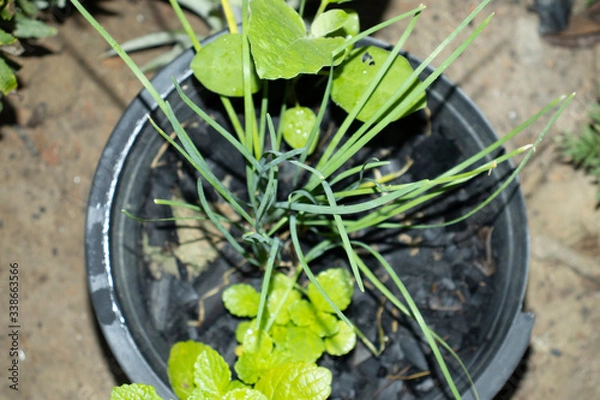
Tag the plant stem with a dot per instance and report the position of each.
(229, 17)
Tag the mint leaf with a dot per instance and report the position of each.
(342, 342)
(242, 329)
(180, 367)
(218, 66)
(135, 391)
(357, 71)
(27, 28)
(241, 300)
(255, 359)
(211, 374)
(280, 45)
(303, 313)
(244, 394)
(337, 283)
(298, 381)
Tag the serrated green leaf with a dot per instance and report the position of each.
(244, 394)
(8, 80)
(27, 28)
(279, 303)
(305, 314)
(135, 391)
(180, 367)
(355, 74)
(218, 66)
(298, 381)
(300, 344)
(342, 342)
(338, 284)
(255, 359)
(280, 45)
(329, 21)
(236, 384)
(241, 300)
(211, 374)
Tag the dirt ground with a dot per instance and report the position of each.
(70, 99)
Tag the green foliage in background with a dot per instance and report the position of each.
(583, 150)
(19, 21)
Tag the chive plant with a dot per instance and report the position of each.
(336, 202)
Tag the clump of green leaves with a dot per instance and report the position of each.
(198, 372)
(583, 150)
(299, 326)
(18, 21)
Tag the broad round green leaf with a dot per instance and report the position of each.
(342, 342)
(357, 71)
(329, 21)
(218, 66)
(135, 391)
(241, 300)
(255, 359)
(298, 381)
(280, 45)
(337, 283)
(297, 124)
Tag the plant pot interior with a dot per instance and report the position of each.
(468, 279)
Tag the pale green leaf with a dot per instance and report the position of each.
(279, 303)
(180, 367)
(280, 45)
(235, 384)
(342, 342)
(298, 381)
(135, 391)
(218, 66)
(355, 74)
(241, 300)
(300, 344)
(323, 324)
(338, 284)
(27, 28)
(243, 328)
(255, 359)
(244, 394)
(329, 21)
(211, 374)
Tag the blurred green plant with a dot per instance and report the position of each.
(583, 150)
(19, 20)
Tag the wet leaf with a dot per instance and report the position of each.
(280, 45)
(338, 284)
(298, 381)
(297, 124)
(241, 300)
(355, 74)
(342, 342)
(218, 66)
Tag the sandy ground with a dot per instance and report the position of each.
(70, 99)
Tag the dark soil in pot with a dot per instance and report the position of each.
(468, 279)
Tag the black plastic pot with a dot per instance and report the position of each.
(116, 270)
